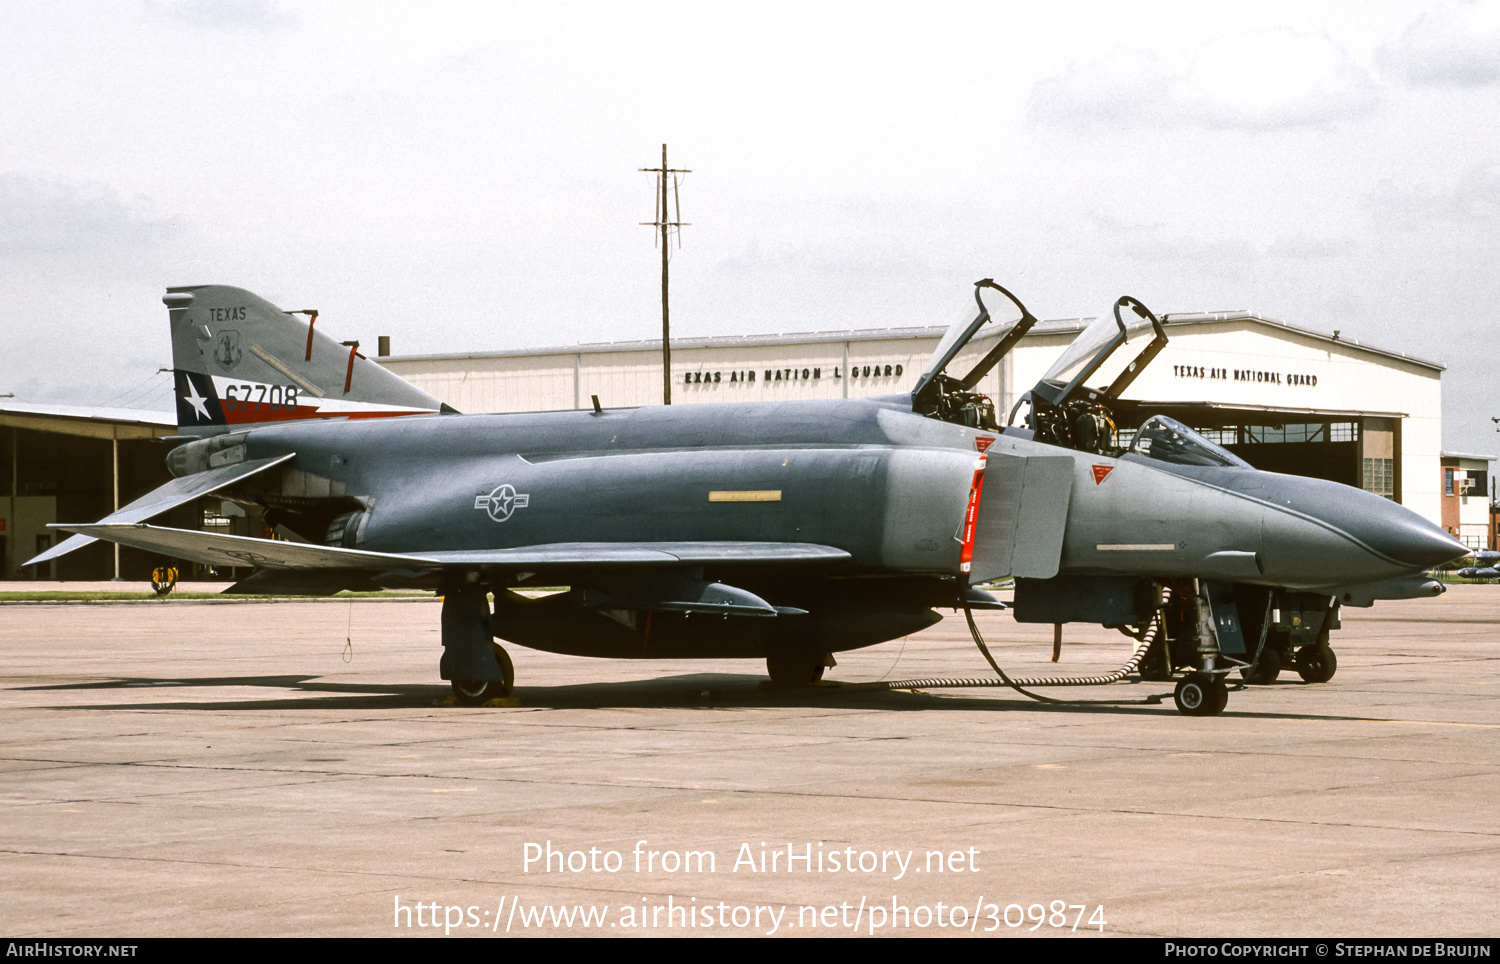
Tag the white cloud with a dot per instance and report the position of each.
(1457, 45)
(227, 14)
(872, 255)
(1156, 242)
(38, 215)
(1473, 202)
(1257, 81)
(1124, 89)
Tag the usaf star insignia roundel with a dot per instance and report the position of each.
(502, 503)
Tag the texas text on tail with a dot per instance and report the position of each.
(806, 528)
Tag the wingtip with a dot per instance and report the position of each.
(62, 548)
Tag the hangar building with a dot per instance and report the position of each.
(68, 463)
(1282, 397)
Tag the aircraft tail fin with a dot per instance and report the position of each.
(241, 361)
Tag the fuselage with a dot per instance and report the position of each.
(864, 475)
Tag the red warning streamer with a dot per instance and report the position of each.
(976, 489)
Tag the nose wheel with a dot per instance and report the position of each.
(1199, 694)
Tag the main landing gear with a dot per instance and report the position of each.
(796, 668)
(476, 665)
(479, 692)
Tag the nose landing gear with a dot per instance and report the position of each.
(1199, 694)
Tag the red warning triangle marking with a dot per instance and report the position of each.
(1101, 472)
(983, 442)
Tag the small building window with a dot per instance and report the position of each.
(1380, 477)
(1447, 481)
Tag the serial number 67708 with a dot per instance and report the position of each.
(239, 398)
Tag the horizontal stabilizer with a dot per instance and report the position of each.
(170, 496)
(217, 549)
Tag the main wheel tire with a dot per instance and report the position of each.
(506, 667)
(794, 669)
(1265, 670)
(468, 692)
(1316, 663)
(1200, 695)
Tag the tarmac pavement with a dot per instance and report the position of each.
(289, 768)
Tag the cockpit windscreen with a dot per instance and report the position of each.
(1168, 440)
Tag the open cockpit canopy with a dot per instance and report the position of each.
(1130, 321)
(1062, 409)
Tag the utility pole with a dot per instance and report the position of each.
(665, 226)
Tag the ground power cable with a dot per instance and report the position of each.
(1143, 642)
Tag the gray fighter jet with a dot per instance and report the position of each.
(779, 531)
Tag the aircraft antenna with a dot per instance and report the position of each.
(666, 227)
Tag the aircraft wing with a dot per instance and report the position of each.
(217, 549)
(159, 500)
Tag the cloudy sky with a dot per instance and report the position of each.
(464, 176)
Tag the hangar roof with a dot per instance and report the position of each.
(88, 420)
(1059, 326)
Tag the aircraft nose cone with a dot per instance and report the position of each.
(1355, 537)
(1417, 542)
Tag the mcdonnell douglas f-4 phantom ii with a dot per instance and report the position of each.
(802, 528)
